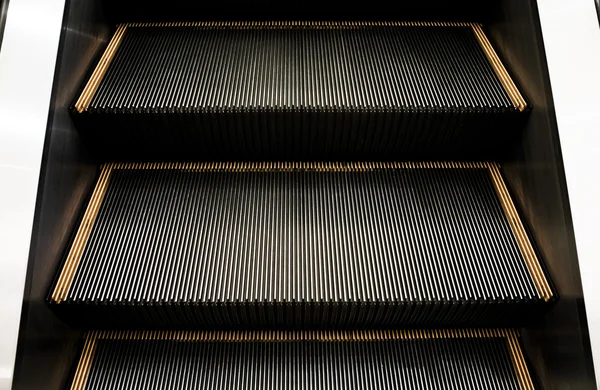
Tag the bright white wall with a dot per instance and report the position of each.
(27, 61)
(572, 41)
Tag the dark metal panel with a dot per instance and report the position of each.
(119, 11)
(47, 347)
(3, 13)
(558, 346)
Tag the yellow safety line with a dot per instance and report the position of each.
(309, 335)
(94, 82)
(298, 24)
(509, 85)
(519, 363)
(269, 166)
(85, 364)
(85, 228)
(531, 259)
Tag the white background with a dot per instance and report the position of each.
(27, 61)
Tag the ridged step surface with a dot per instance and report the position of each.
(462, 359)
(299, 90)
(300, 245)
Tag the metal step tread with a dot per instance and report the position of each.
(229, 66)
(435, 359)
(260, 244)
(301, 90)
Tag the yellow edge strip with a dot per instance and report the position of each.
(519, 363)
(85, 364)
(85, 228)
(531, 259)
(291, 166)
(299, 24)
(94, 82)
(315, 335)
(507, 82)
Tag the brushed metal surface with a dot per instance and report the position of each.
(47, 347)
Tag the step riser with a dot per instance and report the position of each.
(299, 316)
(300, 136)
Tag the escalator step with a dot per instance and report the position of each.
(301, 245)
(299, 90)
(446, 359)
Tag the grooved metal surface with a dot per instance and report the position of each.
(450, 362)
(245, 244)
(298, 91)
(334, 66)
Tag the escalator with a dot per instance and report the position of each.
(301, 245)
(299, 204)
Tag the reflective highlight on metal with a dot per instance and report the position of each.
(301, 244)
(413, 359)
